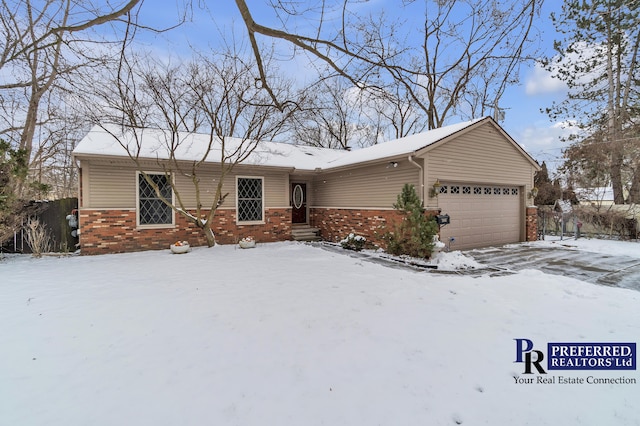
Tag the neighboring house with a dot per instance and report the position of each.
(472, 171)
(598, 196)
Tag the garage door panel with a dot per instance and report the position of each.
(480, 215)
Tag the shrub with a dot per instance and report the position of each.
(38, 238)
(413, 235)
(353, 242)
(620, 223)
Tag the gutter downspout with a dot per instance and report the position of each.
(421, 177)
(81, 188)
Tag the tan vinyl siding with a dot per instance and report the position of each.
(113, 185)
(375, 186)
(481, 155)
(110, 186)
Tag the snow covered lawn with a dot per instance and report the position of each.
(288, 334)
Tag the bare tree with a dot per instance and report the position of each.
(37, 41)
(465, 44)
(215, 96)
(44, 45)
(339, 115)
(391, 111)
(331, 116)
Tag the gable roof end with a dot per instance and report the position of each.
(474, 125)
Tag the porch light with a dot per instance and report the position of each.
(533, 193)
(435, 190)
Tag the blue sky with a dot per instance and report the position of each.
(522, 103)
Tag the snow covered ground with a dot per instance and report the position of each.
(289, 334)
(592, 245)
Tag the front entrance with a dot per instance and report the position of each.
(299, 203)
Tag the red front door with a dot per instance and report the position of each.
(299, 202)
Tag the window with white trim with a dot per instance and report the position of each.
(151, 209)
(250, 196)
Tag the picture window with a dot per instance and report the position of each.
(250, 196)
(151, 209)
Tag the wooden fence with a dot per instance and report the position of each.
(53, 216)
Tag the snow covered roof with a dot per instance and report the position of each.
(601, 193)
(397, 147)
(155, 144)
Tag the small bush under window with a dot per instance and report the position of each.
(353, 242)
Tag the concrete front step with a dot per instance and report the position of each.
(311, 238)
(305, 233)
(306, 230)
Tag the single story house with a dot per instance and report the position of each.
(472, 171)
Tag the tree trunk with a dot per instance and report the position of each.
(617, 156)
(634, 192)
(209, 235)
(616, 173)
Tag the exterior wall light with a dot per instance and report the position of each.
(533, 193)
(435, 190)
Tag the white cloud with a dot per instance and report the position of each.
(543, 141)
(542, 81)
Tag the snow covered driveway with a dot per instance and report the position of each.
(289, 334)
(593, 261)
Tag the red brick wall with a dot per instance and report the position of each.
(532, 223)
(336, 224)
(115, 231)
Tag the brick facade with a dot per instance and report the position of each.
(115, 231)
(532, 223)
(336, 224)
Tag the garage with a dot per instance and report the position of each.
(481, 215)
(474, 172)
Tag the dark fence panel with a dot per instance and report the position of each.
(53, 216)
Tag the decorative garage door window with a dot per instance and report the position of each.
(478, 190)
(151, 209)
(298, 196)
(249, 199)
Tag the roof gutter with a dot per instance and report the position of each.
(420, 178)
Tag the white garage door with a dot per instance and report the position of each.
(481, 215)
